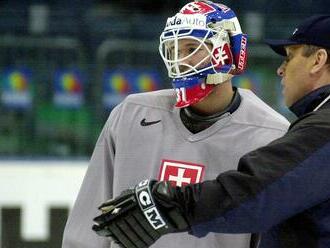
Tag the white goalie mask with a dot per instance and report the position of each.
(175, 40)
(202, 46)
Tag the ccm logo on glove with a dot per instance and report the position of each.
(147, 206)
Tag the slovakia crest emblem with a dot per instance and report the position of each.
(222, 56)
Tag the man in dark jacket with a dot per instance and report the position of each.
(281, 190)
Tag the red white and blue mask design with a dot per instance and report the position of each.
(204, 38)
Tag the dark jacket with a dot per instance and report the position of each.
(281, 190)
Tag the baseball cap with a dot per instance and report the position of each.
(315, 30)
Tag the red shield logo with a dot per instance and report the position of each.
(181, 173)
(197, 8)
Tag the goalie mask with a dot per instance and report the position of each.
(202, 46)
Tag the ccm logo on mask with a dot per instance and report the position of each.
(147, 205)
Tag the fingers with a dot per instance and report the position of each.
(140, 231)
(130, 234)
(132, 231)
(121, 236)
(124, 220)
(101, 230)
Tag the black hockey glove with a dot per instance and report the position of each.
(140, 216)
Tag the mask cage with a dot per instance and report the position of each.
(176, 66)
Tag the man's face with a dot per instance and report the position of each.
(295, 74)
(193, 55)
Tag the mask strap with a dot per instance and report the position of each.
(218, 78)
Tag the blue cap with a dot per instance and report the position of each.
(315, 30)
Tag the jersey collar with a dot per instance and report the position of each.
(310, 101)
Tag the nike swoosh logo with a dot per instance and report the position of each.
(148, 123)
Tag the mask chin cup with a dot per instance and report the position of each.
(191, 90)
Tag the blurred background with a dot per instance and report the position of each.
(64, 64)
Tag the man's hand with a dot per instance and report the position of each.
(140, 216)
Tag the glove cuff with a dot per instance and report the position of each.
(169, 201)
(147, 204)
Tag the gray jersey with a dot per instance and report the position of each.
(144, 137)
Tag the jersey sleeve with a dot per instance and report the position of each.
(95, 189)
(271, 184)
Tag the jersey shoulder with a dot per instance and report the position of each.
(254, 111)
(160, 99)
